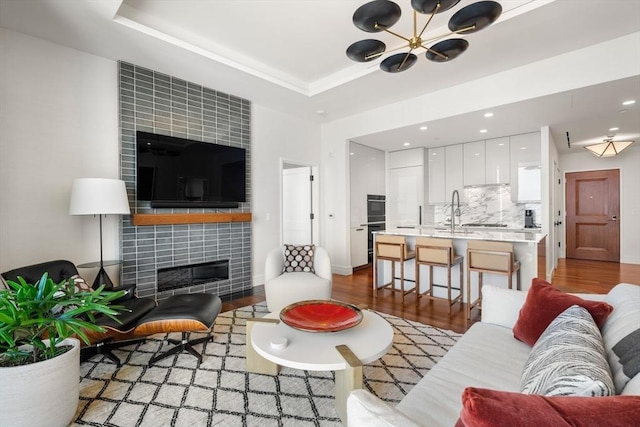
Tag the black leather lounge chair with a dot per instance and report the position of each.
(117, 334)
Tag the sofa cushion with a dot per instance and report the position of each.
(501, 306)
(298, 258)
(624, 320)
(492, 408)
(365, 409)
(568, 359)
(485, 356)
(544, 303)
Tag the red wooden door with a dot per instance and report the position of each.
(593, 206)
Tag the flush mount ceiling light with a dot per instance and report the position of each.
(380, 15)
(608, 148)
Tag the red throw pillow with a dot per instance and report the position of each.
(491, 408)
(544, 303)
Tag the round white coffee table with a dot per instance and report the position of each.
(343, 352)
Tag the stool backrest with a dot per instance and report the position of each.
(495, 256)
(434, 250)
(392, 247)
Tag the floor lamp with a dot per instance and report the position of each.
(99, 196)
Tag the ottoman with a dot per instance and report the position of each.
(185, 314)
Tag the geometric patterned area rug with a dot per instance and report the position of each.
(177, 392)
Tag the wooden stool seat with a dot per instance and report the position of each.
(491, 258)
(436, 252)
(394, 249)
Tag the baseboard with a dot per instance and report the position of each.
(342, 270)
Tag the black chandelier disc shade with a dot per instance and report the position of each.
(398, 62)
(475, 17)
(371, 16)
(428, 6)
(366, 50)
(447, 49)
(380, 15)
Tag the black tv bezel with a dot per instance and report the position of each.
(188, 203)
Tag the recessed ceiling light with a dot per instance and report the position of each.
(629, 102)
(501, 144)
(483, 131)
(613, 129)
(423, 128)
(321, 112)
(351, 154)
(406, 144)
(523, 148)
(476, 154)
(488, 115)
(434, 154)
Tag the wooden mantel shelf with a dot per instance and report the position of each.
(189, 218)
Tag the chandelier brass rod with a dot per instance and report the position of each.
(373, 55)
(461, 30)
(443, 56)
(428, 22)
(383, 28)
(406, 56)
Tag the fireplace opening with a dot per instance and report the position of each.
(192, 274)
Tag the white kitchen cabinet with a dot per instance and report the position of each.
(437, 170)
(406, 189)
(497, 161)
(526, 177)
(474, 161)
(454, 171)
(367, 176)
(359, 246)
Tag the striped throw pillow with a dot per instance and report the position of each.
(568, 359)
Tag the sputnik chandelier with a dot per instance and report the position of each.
(380, 15)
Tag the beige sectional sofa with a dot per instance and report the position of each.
(488, 356)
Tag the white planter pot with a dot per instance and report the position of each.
(43, 394)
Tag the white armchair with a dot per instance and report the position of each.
(282, 289)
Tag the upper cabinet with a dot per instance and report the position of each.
(474, 159)
(497, 161)
(406, 189)
(445, 172)
(526, 178)
(367, 176)
(437, 171)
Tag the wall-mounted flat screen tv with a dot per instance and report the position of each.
(178, 172)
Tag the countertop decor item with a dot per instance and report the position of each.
(380, 15)
(99, 196)
(321, 316)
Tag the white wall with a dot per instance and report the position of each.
(275, 137)
(569, 71)
(628, 162)
(59, 121)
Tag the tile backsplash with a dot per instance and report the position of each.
(488, 204)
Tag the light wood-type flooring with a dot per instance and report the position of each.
(571, 276)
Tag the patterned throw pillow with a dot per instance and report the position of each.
(569, 359)
(80, 284)
(298, 258)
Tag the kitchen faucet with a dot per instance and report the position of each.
(454, 197)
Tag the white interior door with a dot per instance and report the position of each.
(299, 200)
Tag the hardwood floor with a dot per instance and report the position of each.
(570, 276)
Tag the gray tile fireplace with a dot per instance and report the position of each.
(157, 103)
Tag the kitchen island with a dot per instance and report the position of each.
(529, 249)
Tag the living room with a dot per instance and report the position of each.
(60, 113)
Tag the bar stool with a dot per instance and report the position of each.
(436, 252)
(394, 249)
(491, 258)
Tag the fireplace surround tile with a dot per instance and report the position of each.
(155, 102)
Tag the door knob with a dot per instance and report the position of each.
(614, 218)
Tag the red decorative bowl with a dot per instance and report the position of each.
(321, 316)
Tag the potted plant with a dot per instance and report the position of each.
(39, 356)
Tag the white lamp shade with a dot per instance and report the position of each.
(92, 196)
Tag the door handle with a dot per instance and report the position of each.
(614, 218)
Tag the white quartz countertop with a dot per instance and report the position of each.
(466, 233)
